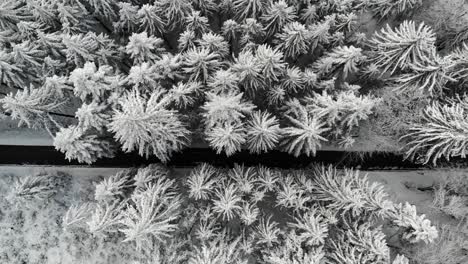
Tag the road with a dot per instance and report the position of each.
(47, 155)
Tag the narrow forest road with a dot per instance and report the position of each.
(47, 155)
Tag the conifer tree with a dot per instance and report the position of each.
(92, 82)
(345, 58)
(305, 134)
(200, 63)
(277, 15)
(80, 145)
(33, 107)
(248, 8)
(398, 48)
(150, 21)
(147, 125)
(143, 48)
(442, 133)
(294, 40)
(271, 62)
(263, 132)
(225, 108)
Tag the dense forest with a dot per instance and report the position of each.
(157, 76)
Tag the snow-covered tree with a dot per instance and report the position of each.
(142, 48)
(294, 40)
(224, 82)
(248, 8)
(397, 48)
(146, 125)
(442, 133)
(184, 94)
(214, 43)
(197, 23)
(200, 63)
(93, 115)
(249, 70)
(386, 8)
(150, 20)
(271, 62)
(175, 11)
(343, 59)
(39, 186)
(429, 76)
(201, 181)
(277, 15)
(81, 145)
(33, 107)
(226, 138)
(304, 135)
(263, 132)
(225, 108)
(151, 215)
(91, 82)
(226, 201)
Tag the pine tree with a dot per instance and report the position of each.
(150, 216)
(249, 70)
(175, 11)
(294, 40)
(225, 108)
(143, 48)
(442, 133)
(207, 7)
(227, 138)
(277, 15)
(11, 74)
(201, 181)
(271, 62)
(224, 82)
(397, 48)
(113, 187)
(385, 8)
(39, 186)
(146, 125)
(183, 94)
(293, 80)
(77, 215)
(186, 40)
(263, 132)
(33, 107)
(92, 82)
(252, 33)
(248, 8)
(429, 76)
(81, 145)
(150, 21)
(11, 14)
(200, 63)
(345, 58)
(128, 17)
(104, 8)
(230, 30)
(197, 23)
(93, 115)
(305, 134)
(214, 43)
(226, 202)
(105, 218)
(343, 112)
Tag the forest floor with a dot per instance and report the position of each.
(33, 233)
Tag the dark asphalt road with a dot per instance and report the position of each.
(45, 155)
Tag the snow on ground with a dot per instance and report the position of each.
(33, 234)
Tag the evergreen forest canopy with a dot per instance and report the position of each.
(155, 76)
